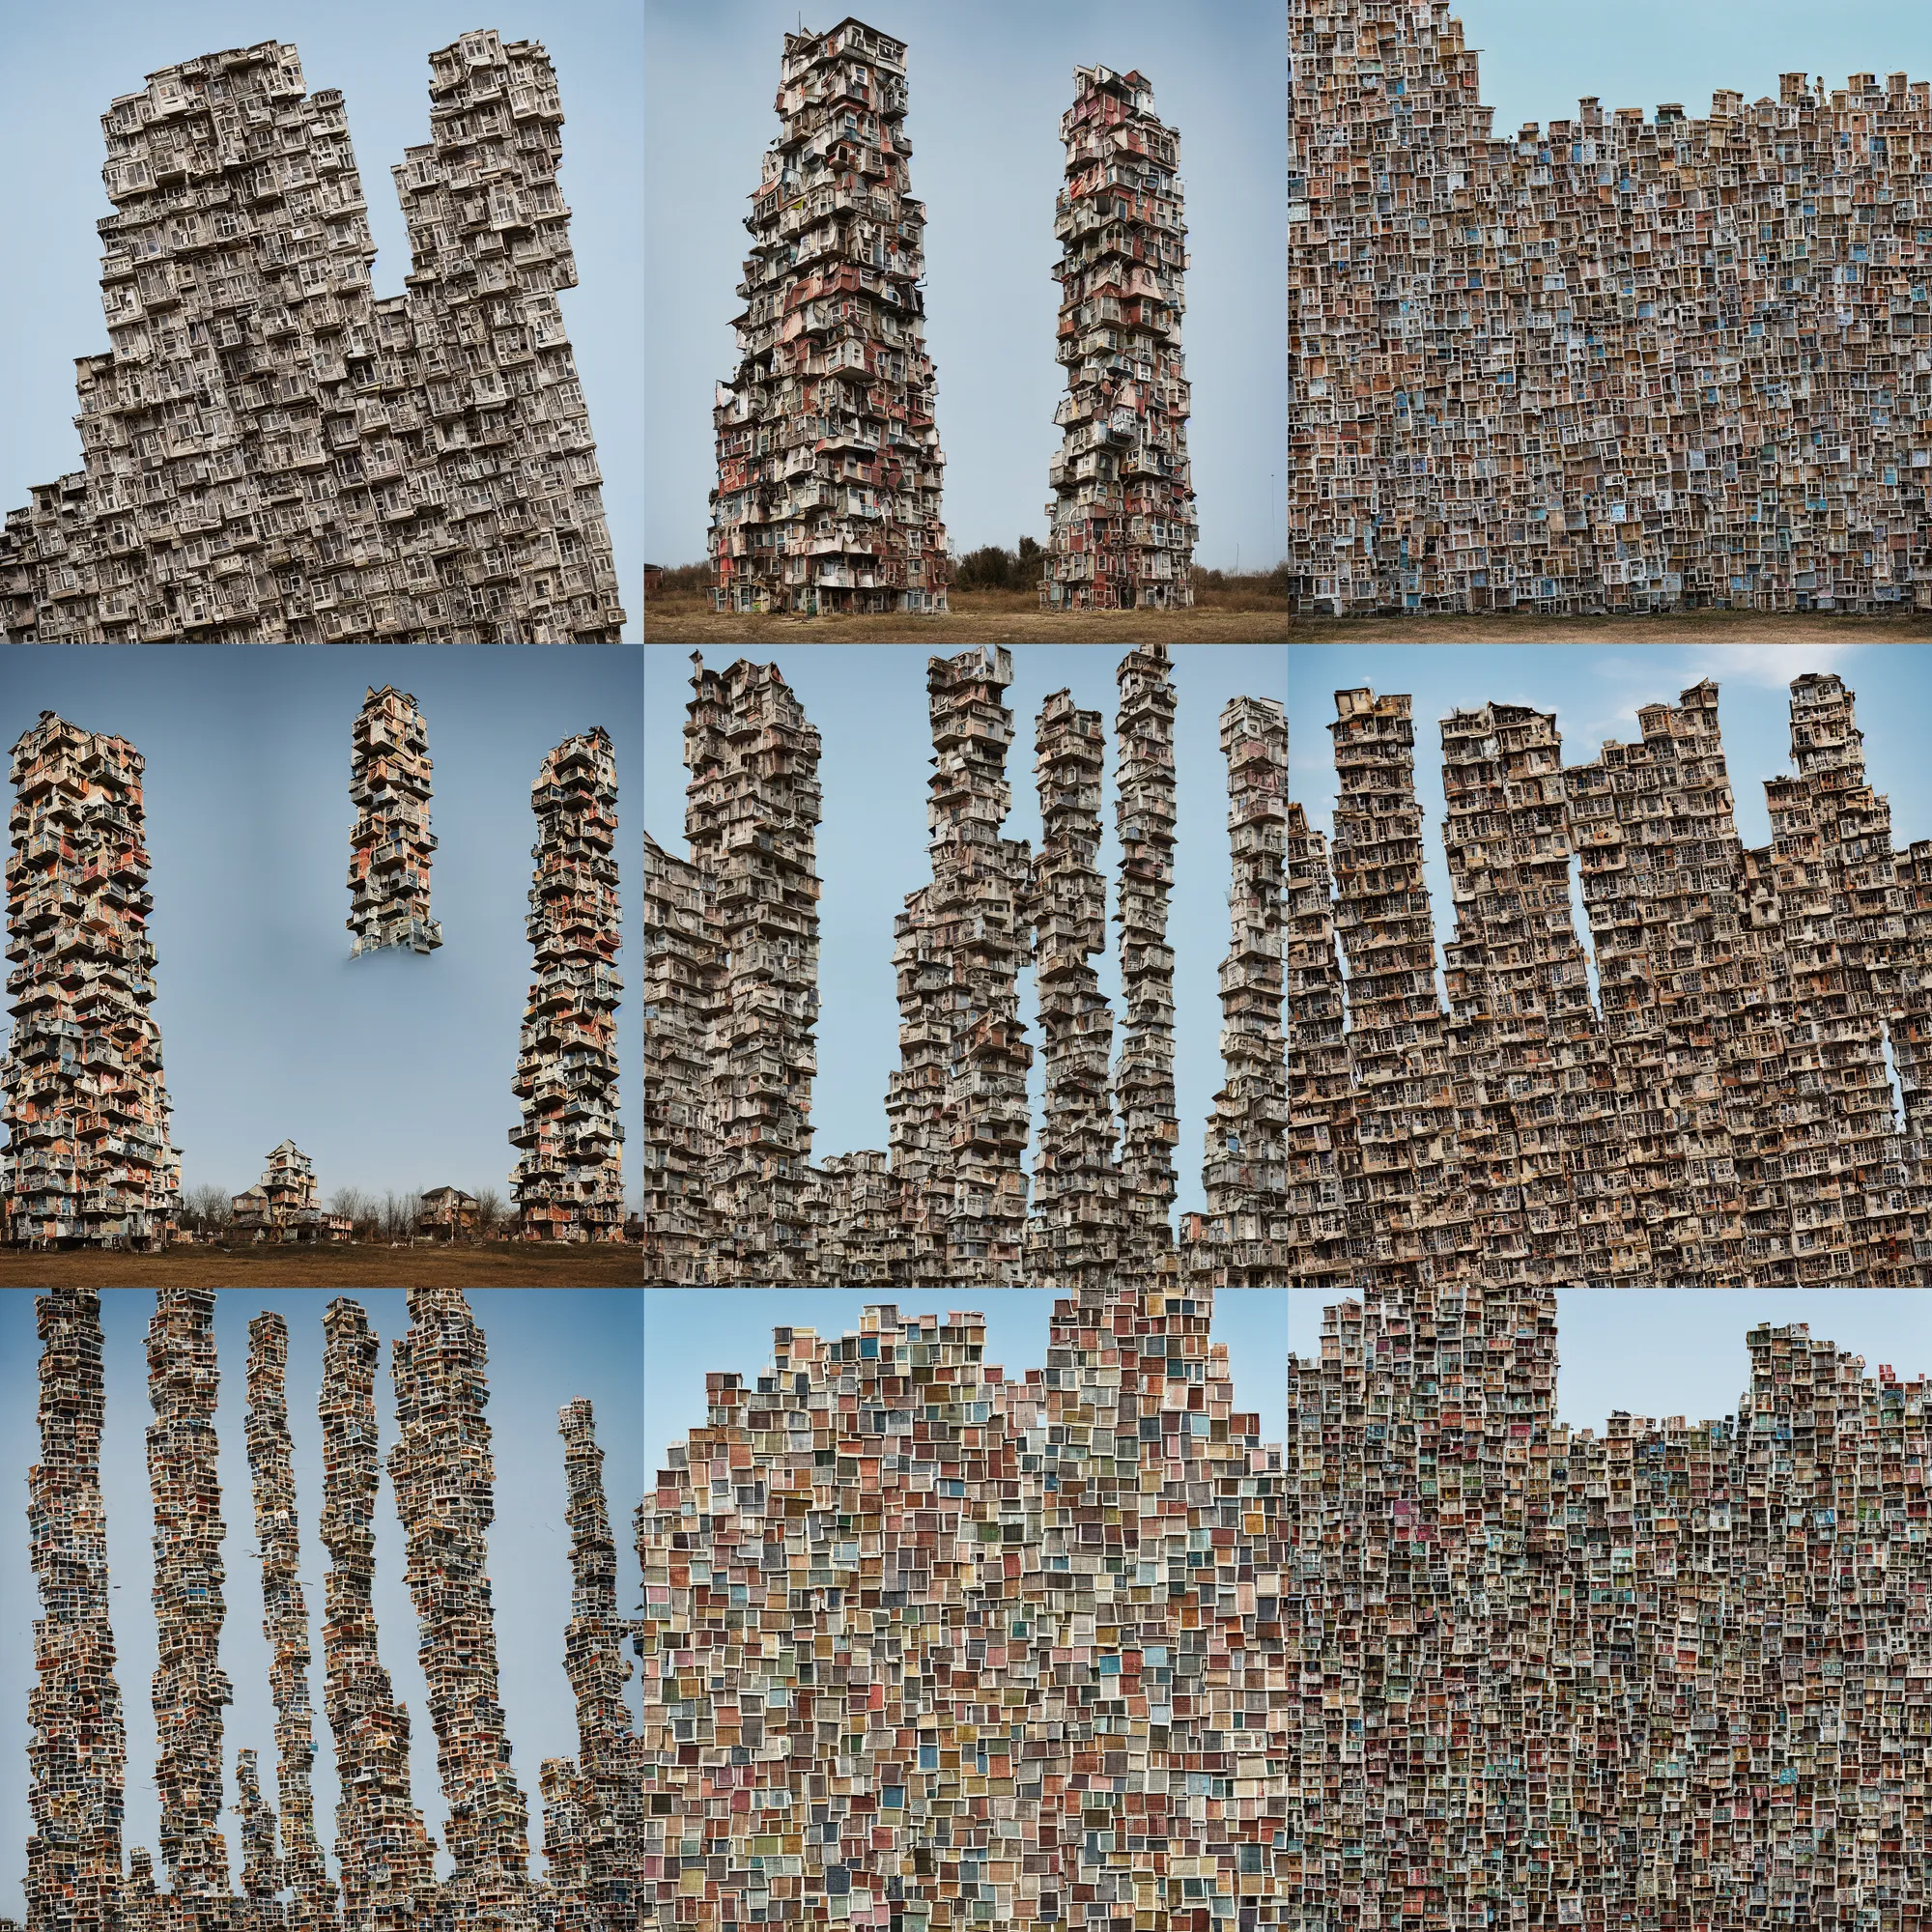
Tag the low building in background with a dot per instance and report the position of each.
(1122, 517)
(88, 1161)
(447, 1214)
(389, 849)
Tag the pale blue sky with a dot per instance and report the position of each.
(692, 1331)
(1538, 61)
(66, 64)
(1595, 692)
(1662, 1351)
(546, 1347)
(868, 703)
(391, 1071)
(988, 85)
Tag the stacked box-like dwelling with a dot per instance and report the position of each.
(569, 1183)
(390, 846)
(88, 1160)
(751, 816)
(829, 467)
(1122, 512)
(281, 1207)
(273, 455)
(1244, 1170)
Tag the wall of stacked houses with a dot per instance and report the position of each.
(1720, 1112)
(1607, 364)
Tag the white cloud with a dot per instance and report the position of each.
(1772, 666)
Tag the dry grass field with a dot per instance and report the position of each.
(1239, 617)
(496, 1265)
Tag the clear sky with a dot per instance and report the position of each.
(391, 1071)
(1660, 1352)
(990, 82)
(64, 64)
(690, 1332)
(1538, 61)
(1595, 693)
(868, 703)
(546, 1347)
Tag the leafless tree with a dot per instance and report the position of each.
(207, 1208)
(399, 1217)
(489, 1213)
(352, 1202)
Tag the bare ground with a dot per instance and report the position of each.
(1247, 616)
(976, 617)
(496, 1264)
(1703, 627)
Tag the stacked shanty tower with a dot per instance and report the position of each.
(1073, 1233)
(1320, 1146)
(282, 1206)
(76, 1756)
(390, 847)
(1535, 1110)
(829, 468)
(489, 242)
(1143, 820)
(568, 1183)
(593, 1809)
(418, 468)
(1244, 1173)
(444, 1479)
(1123, 513)
(387, 1859)
(958, 1102)
(1416, 1215)
(682, 981)
(750, 816)
(190, 1687)
(1683, 369)
(88, 1161)
(285, 1626)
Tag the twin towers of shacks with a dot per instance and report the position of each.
(443, 1477)
(829, 466)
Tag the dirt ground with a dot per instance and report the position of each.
(1700, 627)
(1246, 616)
(976, 617)
(498, 1264)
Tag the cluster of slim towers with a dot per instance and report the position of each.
(271, 453)
(1610, 364)
(829, 466)
(730, 1191)
(443, 1478)
(89, 1162)
(1720, 1114)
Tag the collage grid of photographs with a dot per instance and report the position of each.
(1110, 1114)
